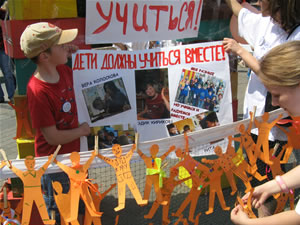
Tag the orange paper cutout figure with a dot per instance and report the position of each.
(224, 160)
(292, 132)
(22, 119)
(62, 201)
(79, 185)
(154, 172)
(124, 176)
(181, 219)
(192, 197)
(168, 186)
(293, 138)
(276, 170)
(215, 187)
(32, 189)
(249, 145)
(247, 208)
(264, 129)
(88, 219)
(194, 168)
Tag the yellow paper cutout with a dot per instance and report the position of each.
(168, 186)
(88, 219)
(124, 176)
(79, 185)
(154, 173)
(183, 173)
(264, 129)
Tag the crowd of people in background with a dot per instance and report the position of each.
(201, 94)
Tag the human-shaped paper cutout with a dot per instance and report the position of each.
(276, 170)
(247, 208)
(32, 189)
(293, 132)
(123, 173)
(215, 187)
(264, 129)
(97, 198)
(168, 186)
(63, 204)
(195, 168)
(79, 185)
(182, 220)
(22, 119)
(154, 172)
(225, 160)
(249, 145)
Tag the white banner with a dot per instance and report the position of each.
(141, 20)
(196, 139)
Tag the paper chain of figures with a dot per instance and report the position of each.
(202, 174)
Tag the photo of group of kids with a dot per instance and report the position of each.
(106, 99)
(198, 122)
(110, 135)
(152, 94)
(200, 90)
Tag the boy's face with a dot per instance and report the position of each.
(58, 55)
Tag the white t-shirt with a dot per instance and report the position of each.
(263, 34)
(297, 209)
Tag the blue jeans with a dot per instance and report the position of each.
(7, 70)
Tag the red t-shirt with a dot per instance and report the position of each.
(53, 104)
(156, 107)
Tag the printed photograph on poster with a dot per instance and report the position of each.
(198, 122)
(152, 94)
(200, 90)
(106, 99)
(109, 135)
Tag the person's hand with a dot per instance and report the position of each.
(85, 129)
(204, 160)
(238, 216)
(173, 147)
(230, 45)
(260, 195)
(71, 49)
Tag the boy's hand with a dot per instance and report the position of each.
(85, 129)
(230, 45)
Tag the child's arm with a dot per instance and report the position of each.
(141, 154)
(45, 166)
(62, 166)
(59, 137)
(171, 149)
(230, 45)
(235, 6)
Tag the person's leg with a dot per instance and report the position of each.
(6, 67)
(1, 95)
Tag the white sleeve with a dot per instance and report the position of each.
(296, 34)
(248, 25)
(297, 209)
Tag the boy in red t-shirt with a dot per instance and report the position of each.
(51, 97)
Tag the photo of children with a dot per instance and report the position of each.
(200, 90)
(152, 94)
(106, 99)
(198, 122)
(110, 135)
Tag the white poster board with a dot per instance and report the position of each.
(133, 75)
(126, 21)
